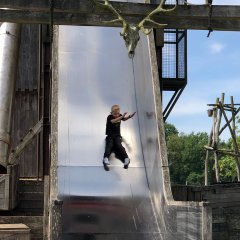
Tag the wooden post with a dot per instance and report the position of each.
(236, 150)
(215, 140)
(234, 140)
(207, 158)
(220, 117)
(229, 121)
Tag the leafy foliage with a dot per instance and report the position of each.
(227, 167)
(186, 156)
(170, 129)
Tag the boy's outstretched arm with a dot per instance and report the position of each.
(119, 118)
(129, 116)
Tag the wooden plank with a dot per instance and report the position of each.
(28, 58)
(13, 226)
(34, 113)
(85, 13)
(21, 132)
(140, 9)
(13, 171)
(27, 151)
(26, 141)
(25, 111)
(4, 187)
(14, 231)
(46, 208)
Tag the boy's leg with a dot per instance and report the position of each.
(121, 150)
(108, 149)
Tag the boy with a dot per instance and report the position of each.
(114, 139)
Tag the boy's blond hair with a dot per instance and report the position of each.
(114, 106)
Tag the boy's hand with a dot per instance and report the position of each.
(124, 114)
(132, 114)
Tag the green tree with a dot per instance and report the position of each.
(227, 164)
(170, 129)
(228, 170)
(186, 155)
(195, 178)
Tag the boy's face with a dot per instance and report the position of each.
(115, 110)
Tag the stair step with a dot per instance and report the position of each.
(29, 204)
(31, 186)
(35, 223)
(31, 196)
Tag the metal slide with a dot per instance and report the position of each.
(95, 73)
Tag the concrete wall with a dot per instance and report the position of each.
(224, 202)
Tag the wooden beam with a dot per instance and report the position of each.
(85, 13)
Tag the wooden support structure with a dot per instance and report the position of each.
(229, 121)
(25, 142)
(85, 13)
(235, 146)
(215, 140)
(219, 110)
(207, 156)
(8, 188)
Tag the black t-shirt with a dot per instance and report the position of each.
(113, 129)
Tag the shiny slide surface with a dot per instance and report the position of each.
(95, 73)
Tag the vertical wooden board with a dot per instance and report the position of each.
(31, 122)
(4, 187)
(46, 208)
(27, 170)
(13, 171)
(25, 111)
(18, 126)
(20, 131)
(28, 58)
(25, 117)
(31, 146)
(34, 111)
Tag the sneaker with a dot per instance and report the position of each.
(105, 166)
(106, 161)
(126, 163)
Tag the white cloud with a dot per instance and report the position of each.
(196, 97)
(216, 47)
(189, 107)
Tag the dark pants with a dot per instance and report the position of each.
(114, 144)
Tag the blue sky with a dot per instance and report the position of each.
(213, 68)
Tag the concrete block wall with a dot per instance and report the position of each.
(224, 199)
(226, 223)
